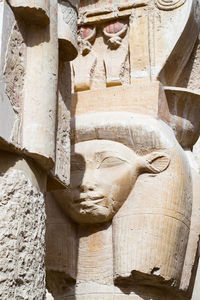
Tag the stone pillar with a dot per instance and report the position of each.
(34, 11)
(34, 135)
(133, 201)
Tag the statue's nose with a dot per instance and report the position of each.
(87, 183)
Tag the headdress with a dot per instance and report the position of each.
(137, 115)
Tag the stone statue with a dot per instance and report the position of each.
(127, 226)
(37, 40)
(103, 173)
(116, 174)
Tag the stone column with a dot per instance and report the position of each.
(136, 98)
(32, 142)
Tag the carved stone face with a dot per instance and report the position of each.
(103, 174)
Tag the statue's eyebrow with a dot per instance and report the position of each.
(110, 153)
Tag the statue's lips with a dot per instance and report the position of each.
(90, 203)
(85, 199)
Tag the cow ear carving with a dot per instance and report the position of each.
(157, 162)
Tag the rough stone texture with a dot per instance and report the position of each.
(14, 75)
(22, 229)
(15, 68)
(9, 118)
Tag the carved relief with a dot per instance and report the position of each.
(116, 56)
(86, 36)
(150, 55)
(92, 11)
(114, 32)
(84, 67)
(169, 4)
(112, 66)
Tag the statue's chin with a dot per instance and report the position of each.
(91, 215)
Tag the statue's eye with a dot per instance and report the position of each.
(109, 162)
